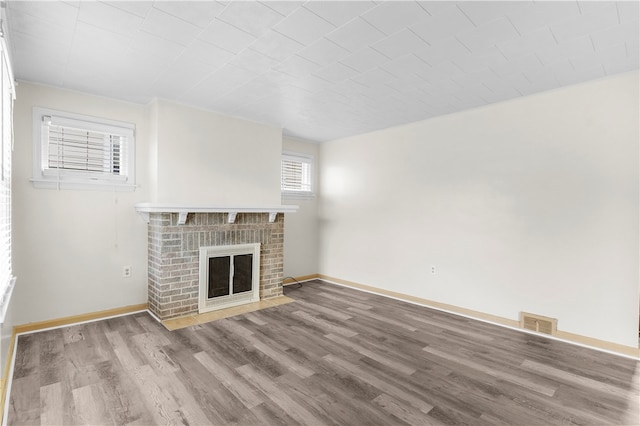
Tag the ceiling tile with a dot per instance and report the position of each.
(542, 14)
(567, 74)
(250, 92)
(505, 93)
(353, 91)
(297, 66)
(633, 48)
(581, 25)
(293, 93)
(435, 7)
(150, 44)
(39, 30)
(488, 35)
(541, 80)
(475, 79)
(88, 38)
(364, 59)
(450, 22)
(217, 84)
(513, 80)
(406, 65)
(606, 57)
(276, 46)
(593, 6)
(442, 71)
(142, 68)
(442, 50)
(199, 13)
(169, 27)
(629, 64)
(561, 68)
(628, 11)
(232, 76)
(339, 12)
(250, 16)
(520, 64)
(616, 34)
(356, 35)
(252, 60)
(285, 7)
(37, 56)
(336, 72)
(540, 39)
(324, 52)
(110, 18)
(56, 72)
(565, 50)
(410, 84)
(275, 78)
(226, 36)
(61, 13)
(304, 26)
(206, 53)
(254, 111)
(476, 61)
(179, 77)
(311, 83)
(110, 62)
(374, 77)
(139, 8)
(378, 93)
(484, 12)
(390, 17)
(399, 44)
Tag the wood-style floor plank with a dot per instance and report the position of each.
(336, 356)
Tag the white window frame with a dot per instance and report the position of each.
(305, 159)
(8, 95)
(60, 178)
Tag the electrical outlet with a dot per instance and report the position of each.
(126, 271)
(433, 269)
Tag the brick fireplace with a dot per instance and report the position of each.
(174, 240)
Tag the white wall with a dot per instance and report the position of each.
(527, 205)
(301, 227)
(213, 159)
(69, 247)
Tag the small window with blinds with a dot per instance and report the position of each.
(72, 151)
(296, 177)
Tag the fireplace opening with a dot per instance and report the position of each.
(229, 276)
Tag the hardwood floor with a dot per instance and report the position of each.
(335, 356)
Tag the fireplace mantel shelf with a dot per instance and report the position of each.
(144, 209)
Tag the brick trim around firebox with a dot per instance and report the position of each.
(174, 255)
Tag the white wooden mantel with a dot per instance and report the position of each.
(183, 210)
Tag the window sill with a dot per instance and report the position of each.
(298, 195)
(6, 298)
(82, 185)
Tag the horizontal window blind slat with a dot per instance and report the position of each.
(72, 148)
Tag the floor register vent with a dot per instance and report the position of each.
(538, 323)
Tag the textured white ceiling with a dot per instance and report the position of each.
(321, 70)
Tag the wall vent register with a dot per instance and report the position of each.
(538, 323)
(229, 276)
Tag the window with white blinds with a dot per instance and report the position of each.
(76, 150)
(296, 178)
(7, 90)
